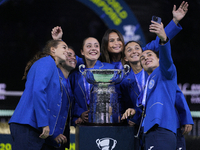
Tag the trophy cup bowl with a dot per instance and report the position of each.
(104, 105)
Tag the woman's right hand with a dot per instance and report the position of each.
(131, 123)
(84, 116)
(45, 132)
(128, 113)
(158, 29)
(57, 33)
(79, 121)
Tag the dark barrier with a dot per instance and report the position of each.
(87, 136)
(6, 142)
(104, 137)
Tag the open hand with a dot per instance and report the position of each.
(180, 12)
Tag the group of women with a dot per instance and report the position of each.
(51, 98)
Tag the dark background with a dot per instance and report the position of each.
(25, 27)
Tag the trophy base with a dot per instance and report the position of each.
(92, 137)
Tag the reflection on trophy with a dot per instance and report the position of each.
(106, 143)
(104, 105)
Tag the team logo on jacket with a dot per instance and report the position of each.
(151, 83)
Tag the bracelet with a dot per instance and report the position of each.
(163, 42)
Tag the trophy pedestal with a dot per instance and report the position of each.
(104, 137)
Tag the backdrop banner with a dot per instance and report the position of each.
(117, 15)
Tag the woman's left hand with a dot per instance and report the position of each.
(186, 128)
(61, 139)
(45, 132)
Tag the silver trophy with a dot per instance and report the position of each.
(104, 105)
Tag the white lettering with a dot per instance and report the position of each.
(2, 89)
(151, 148)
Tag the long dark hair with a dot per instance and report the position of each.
(46, 51)
(105, 55)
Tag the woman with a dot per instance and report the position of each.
(113, 43)
(40, 115)
(81, 88)
(133, 84)
(65, 69)
(137, 80)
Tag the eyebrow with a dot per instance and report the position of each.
(113, 38)
(65, 45)
(146, 53)
(141, 56)
(69, 53)
(91, 43)
(133, 46)
(149, 52)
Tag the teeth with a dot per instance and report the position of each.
(93, 53)
(147, 62)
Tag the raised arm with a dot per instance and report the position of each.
(165, 60)
(173, 28)
(179, 14)
(57, 33)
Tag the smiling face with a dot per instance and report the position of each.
(71, 61)
(115, 44)
(60, 52)
(91, 49)
(149, 61)
(132, 52)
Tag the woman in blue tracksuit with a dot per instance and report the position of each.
(133, 85)
(40, 116)
(81, 88)
(185, 119)
(66, 67)
(159, 98)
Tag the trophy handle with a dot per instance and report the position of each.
(81, 66)
(98, 143)
(128, 69)
(114, 144)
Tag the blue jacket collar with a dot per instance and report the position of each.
(98, 65)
